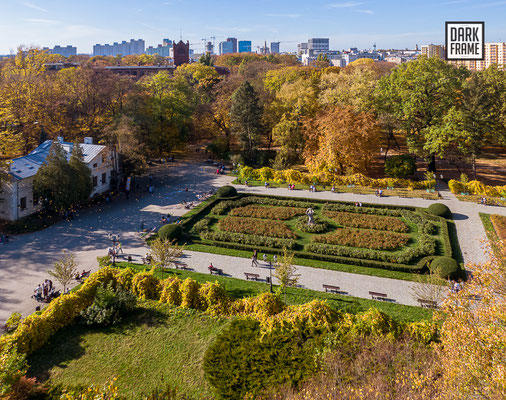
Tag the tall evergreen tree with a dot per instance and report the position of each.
(82, 173)
(54, 182)
(246, 119)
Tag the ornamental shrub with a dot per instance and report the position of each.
(171, 291)
(319, 226)
(226, 191)
(214, 298)
(125, 277)
(401, 166)
(445, 267)
(146, 286)
(170, 232)
(457, 187)
(440, 210)
(190, 294)
(265, 174)
(109, 306)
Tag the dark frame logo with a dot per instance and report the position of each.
(465, 40)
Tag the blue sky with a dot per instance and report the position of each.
(389, 23)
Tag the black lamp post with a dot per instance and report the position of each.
(114, 239)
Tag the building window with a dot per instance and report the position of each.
(95, 181)
(22, 203)
(104, 178)
(95, 165)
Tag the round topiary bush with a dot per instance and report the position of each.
(445, 267)
(401, 166)
(440, 210)
(227, 191)
(170, 231)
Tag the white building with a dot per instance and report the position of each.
(16, 195)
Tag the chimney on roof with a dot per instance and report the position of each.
(60, 139)
(88, 140)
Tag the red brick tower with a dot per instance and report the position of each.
(181, 53)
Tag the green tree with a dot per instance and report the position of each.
(419, 94)
(55, 181)
(64, 270)
(164, 253)
(285, 271)
(246, 119)
(206, 59)
(83, 185)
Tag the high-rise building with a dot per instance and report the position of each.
(274, 47)
(233, 40)
(226, 47)
(209, 48)
(66, 51)
(494, 53)
(433, 50)
(244, 46)
(318, 45)
(124, 48)
(302, 48)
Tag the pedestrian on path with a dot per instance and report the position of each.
(120, 248)
(275, 259)
(254, 261)
(265, 258)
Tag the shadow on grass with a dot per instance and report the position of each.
(67, 344)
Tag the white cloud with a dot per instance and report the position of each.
(34, 6)
(42, 21)
(365, 11)
(346, 4)
(283, 15)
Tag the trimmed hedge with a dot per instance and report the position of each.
(440, 210)
(170, 232)
(253, 240)
(445, 267)
(226, 191)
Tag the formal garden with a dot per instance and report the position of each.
(383, 237)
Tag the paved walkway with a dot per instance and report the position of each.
(25, 260)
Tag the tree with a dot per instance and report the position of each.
(55, 181)
(430, 288)
(246, 118)
(473, 334)
(64, 270)
(418, 94)
(165, 253)
(83, 184)
(343, 139)
(285, 271)
(206, 59)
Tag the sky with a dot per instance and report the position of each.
(388, 23)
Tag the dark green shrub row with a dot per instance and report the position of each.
(224, 205)
(426, 246)
(194, 215)
(264, 241)
(170, 232)
(445, 233)
(352, 208)
(439, 210)
(445, 267)
(319, 225)
(202, 225)
(226, 191)
(424, 226)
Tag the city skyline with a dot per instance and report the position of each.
(47, 23)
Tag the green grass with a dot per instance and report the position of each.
(239, 288)
(155, 347)
(490, 230)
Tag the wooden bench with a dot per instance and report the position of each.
(427, 303)
(331, 288)
(251, 276)
(85, 274)
(378, 296)
(216, 271)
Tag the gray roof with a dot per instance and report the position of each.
(27, 166)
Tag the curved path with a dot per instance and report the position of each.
(25, 259)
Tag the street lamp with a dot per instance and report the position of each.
(114, 239)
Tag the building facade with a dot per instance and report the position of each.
(494, 53)
(434, 50)
(233, 40)
(274, 47)
(16, 194)
(244, 46)
(66, 51)
(181, 53)
(134, 47)
(226, 48)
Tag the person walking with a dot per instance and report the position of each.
(265, 258)
(275, 259)
(45, 290)
(120, 248)
(254, 262)
(38, 293)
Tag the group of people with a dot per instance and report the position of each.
(312, 188)
(291, 186)
(114, 251)
(254, 259)
(379, 192)
(221, 169)
(358, 204)
(483, 200)
(45, 291)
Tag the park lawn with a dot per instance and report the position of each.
(154, 348)
(239, 288)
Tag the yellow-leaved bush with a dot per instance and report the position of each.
(190, 297)
(171, 293)
(476, 187)
(146, 286)
(328, 178)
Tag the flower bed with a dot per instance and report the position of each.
(254, 226)
(353, 220)
(367, 239)
(319, 225)
(278, 213)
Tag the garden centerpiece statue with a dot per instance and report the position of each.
(310, 213)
